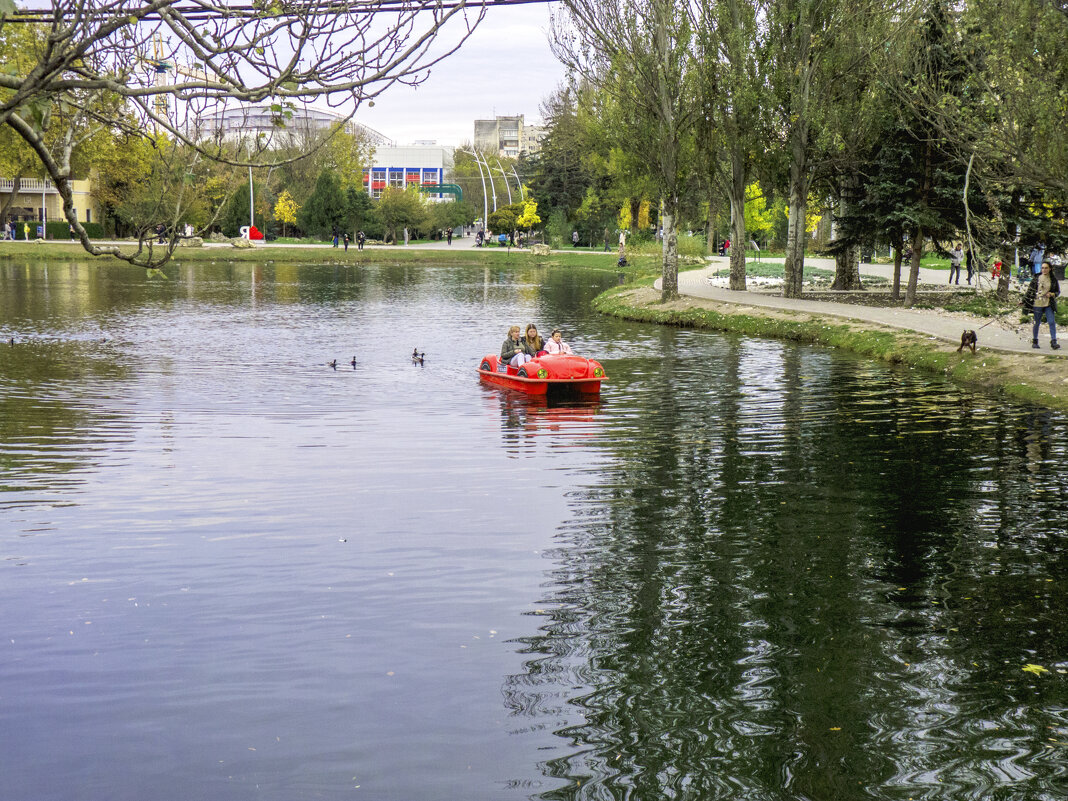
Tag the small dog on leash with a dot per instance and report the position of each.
(968, 340)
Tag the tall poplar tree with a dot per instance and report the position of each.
(639, 52)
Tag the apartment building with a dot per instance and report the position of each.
(507, 136)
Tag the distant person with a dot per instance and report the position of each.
(1041, 298)
(161, 230)
(406, 236)
(360, 239)
(556, 345)
(1038, 252)
(448, 235)
(606, 235)
(574, 239)
(346, 241)
(512, 350)
(955, 257)
(969, 261)
(334, 235)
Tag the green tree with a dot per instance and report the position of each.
(452, 214)
(401, 208)
(915, 181)
(359, 210)
(640, 54)
(324, 211)
(732, 73)
(504, 219)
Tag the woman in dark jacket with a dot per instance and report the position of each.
(512, 350)
(1041, 298)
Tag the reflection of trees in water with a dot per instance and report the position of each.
(792, 588)
(45, 424)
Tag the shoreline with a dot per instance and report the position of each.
(1036, 378)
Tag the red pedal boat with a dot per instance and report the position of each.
(546, 374)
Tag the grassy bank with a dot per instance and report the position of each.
(266, 254)
(1029, 378)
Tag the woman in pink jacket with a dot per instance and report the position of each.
(557, 346)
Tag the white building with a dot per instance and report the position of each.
(402, 167)
(274, 130)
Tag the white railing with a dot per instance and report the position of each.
(27, 185)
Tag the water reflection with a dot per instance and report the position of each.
(794, 588)
(749, 570)
(526, 418)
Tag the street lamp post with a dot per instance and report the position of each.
(522, 194)
(504, 175)
(485, 201)
(493, 187)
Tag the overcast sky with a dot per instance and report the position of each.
(504, 69)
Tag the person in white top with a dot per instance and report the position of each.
(557, 346)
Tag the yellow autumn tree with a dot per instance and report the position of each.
(285, 210)
(757, 214)
(529, 218)
(624, 216)
(643, 215)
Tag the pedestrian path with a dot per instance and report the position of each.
(1003, 334)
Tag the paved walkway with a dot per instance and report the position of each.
(1004, 334)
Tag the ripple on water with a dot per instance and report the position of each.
(749, 570)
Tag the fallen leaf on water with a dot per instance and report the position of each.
(836, 728)
(1038, 670)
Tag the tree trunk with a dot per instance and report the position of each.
(16, 185)
(898, 243)
(914, 268)
(847, 269)
(1006, 273)
(918, 238)
(846, 260)
(794, 265)
(670, 276)
(710, 226)
(737, 198)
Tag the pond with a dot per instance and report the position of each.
(751, 570)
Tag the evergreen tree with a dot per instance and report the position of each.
(359, 211)
(325, 210)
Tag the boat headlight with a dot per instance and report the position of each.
(598, 372)
(543, 373)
